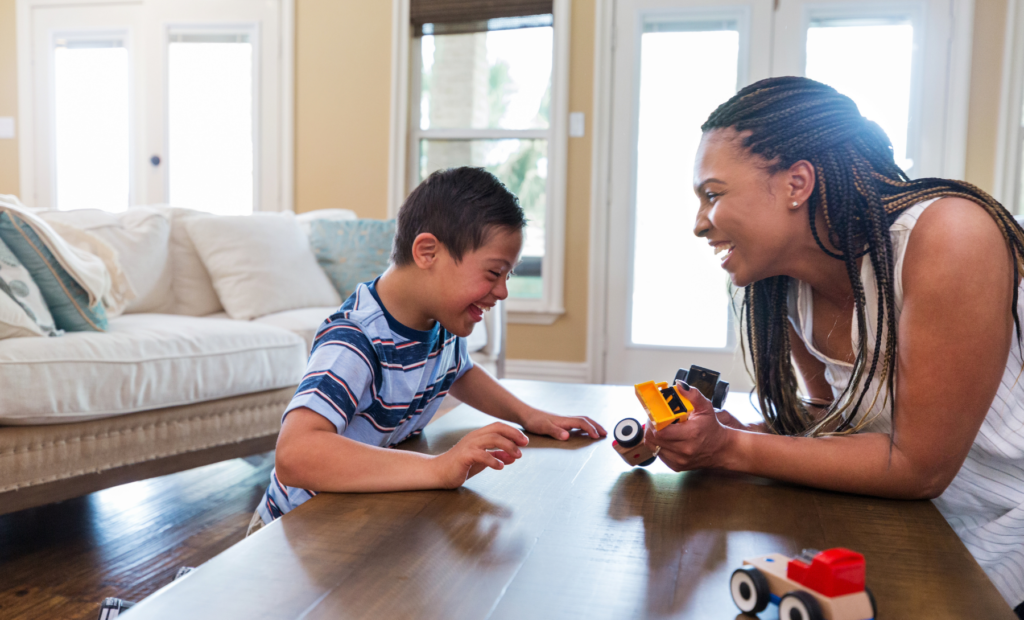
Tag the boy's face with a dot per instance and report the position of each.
(467, 288)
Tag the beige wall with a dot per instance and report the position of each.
(986, 78)
(8, 97)
(342, 99)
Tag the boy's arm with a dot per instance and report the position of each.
(481, 391)
(312, 455)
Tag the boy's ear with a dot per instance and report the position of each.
(425, 248)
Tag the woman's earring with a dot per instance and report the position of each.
(796, 204)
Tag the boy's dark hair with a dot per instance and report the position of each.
(459, 206)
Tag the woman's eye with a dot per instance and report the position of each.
(711, 196)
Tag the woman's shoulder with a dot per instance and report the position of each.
(955, 238)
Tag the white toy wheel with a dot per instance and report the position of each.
(799, 605)
(750, 590)
(629, 433)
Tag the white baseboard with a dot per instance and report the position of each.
(541, 370)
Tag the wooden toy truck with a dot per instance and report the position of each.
(825, 585)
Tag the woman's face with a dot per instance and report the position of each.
(746, 214)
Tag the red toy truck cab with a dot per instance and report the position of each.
(826, 585)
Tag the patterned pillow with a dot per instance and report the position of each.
(352, 251)
(17, 282)
(67, 300)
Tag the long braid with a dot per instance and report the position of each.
(860, 191)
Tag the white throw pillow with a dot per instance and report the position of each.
(260, 264)
(141, 237)
(193, 290)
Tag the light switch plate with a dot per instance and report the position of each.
(6, 127)
(576, 125)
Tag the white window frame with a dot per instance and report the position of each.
(405, 134)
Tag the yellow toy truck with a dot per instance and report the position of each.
(665, 405)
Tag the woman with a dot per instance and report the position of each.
(897, 302)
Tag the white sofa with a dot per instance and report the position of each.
(173, 383)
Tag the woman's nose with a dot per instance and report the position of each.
(702, 225)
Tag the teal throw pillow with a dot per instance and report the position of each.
(17, 283)
(67, 300)
(352, 251)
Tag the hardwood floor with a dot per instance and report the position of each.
(60, 561)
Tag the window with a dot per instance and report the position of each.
(484, 92)
(90, 107)
(210, 121)
(671, 112)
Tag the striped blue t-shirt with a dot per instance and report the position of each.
(378, 381)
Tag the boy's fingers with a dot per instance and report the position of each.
(512, 434)
(504, 457)
(494, 441)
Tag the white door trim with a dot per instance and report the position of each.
(600, 175)
(1006, 184)
(398, 129)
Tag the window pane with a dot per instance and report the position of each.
(876, 76)
(210, 124)
(684, 75)
(499, 79)
(522, 165)
(91, 124)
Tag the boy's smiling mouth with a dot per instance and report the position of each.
(476, 311)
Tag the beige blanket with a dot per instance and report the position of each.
(88, 268)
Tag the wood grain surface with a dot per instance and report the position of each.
(570, 531)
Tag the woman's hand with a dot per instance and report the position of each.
(543, 423)
(698, 442)
(495, 446)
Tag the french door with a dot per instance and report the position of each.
(674, 62)
(154, 101)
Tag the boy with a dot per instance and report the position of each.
(381, 365)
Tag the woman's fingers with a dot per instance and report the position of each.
(700, 402)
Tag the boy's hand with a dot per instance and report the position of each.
(495, 445)
(543, 423)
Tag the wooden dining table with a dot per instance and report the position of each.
(571, 531)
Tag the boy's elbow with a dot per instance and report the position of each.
(288, 465)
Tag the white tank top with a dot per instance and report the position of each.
(985, 502)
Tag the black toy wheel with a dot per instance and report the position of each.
(648, 461)
(750, 590)
(721, 393)
(799, 605)
(629, 433)
(874, 605)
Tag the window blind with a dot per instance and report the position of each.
(457, 16)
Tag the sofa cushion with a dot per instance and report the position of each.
(260, 264)
(304, 322)
(141, 238)
(143, 362)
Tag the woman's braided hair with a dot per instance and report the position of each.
(860, 191)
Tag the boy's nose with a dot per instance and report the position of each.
(501, 291)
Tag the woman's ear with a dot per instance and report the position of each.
(800, 181)
(425, 249)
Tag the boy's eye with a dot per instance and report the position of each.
(496, 274)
